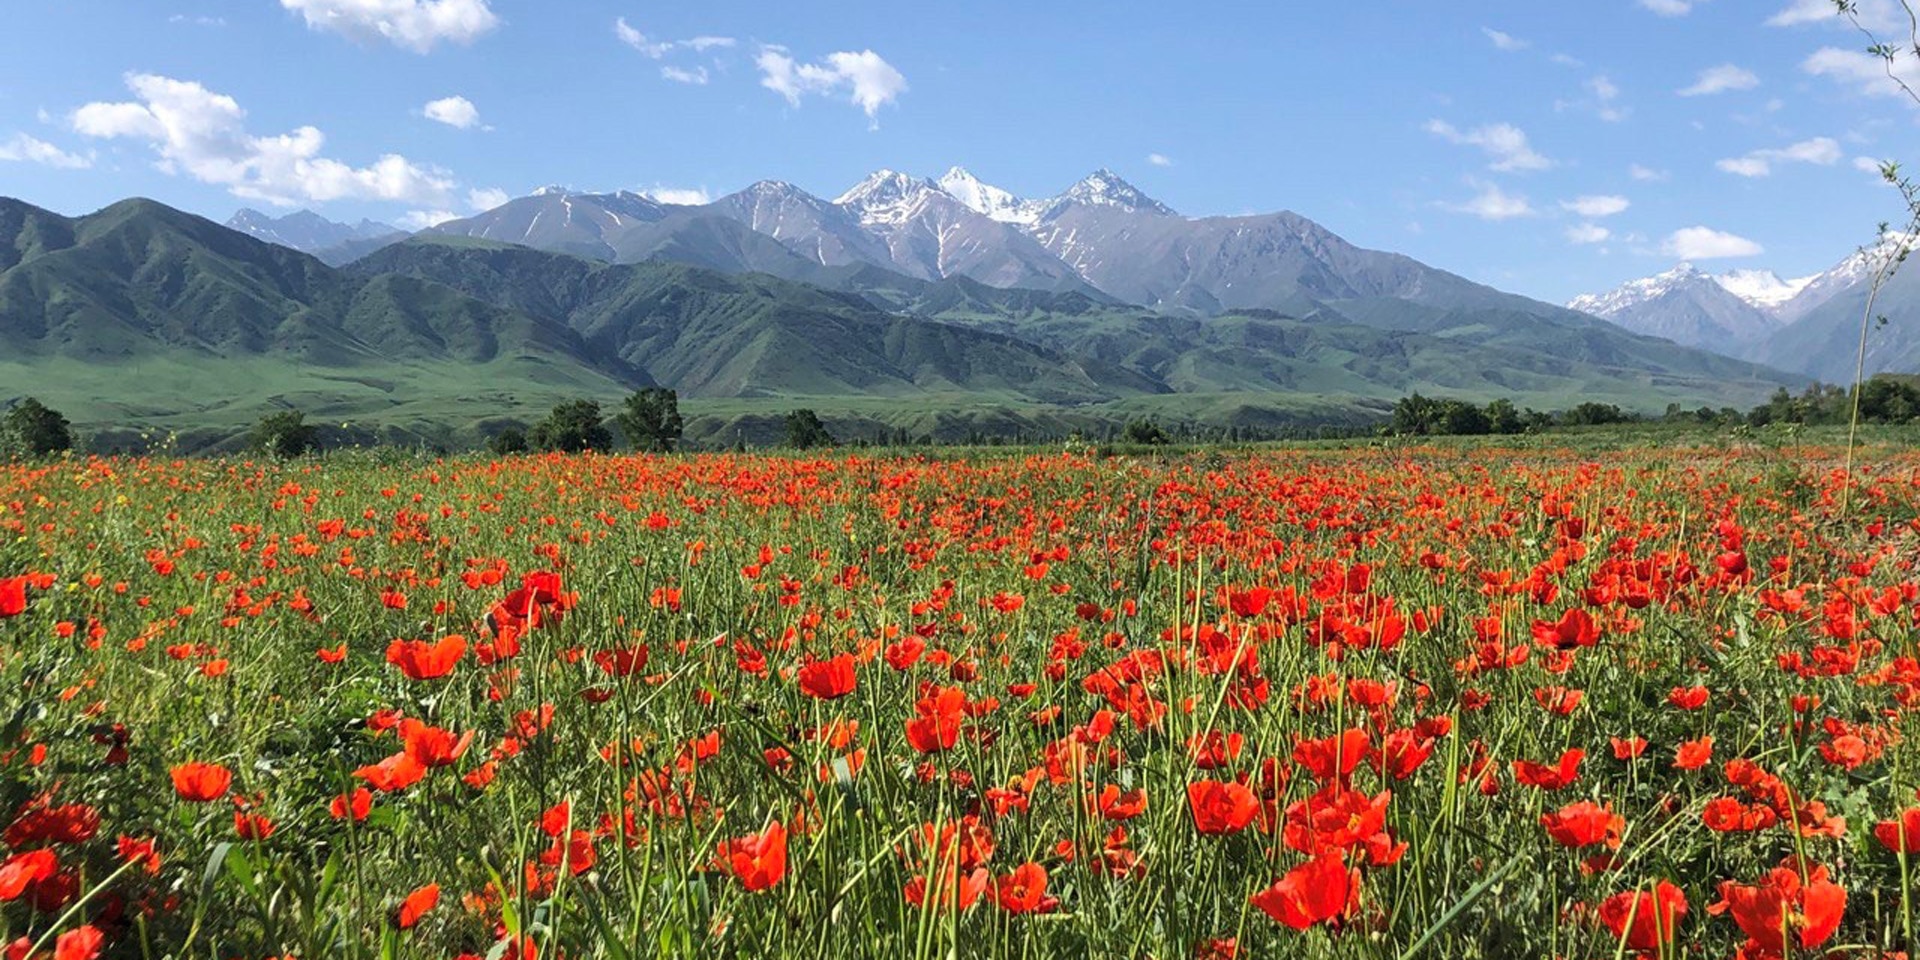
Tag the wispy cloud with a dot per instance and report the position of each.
(1587, 233)
(1505, 144)
(1671, 8)
(1505, 41)
(1596, 207)
(1721, 79)
(21, 148)
(458, 112)
(1492, 203)
(658, 49)
(1159, 160)
(1822, 151)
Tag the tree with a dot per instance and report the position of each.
(805, 431)
(573, 427)
(1144, 432)
(651, 420)
(1503, 417)
(284, 435)
(507, 442)
(33, 429)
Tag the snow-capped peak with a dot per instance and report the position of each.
(987, 199)
(887, 196)
(552, 190)
(1105, 188)
(1762, 288)
(1636, 292)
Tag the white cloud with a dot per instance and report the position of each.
(657, 49)
(203, 134)
(198, 21)
(1595, 207)
(21, 148)
(1703, 243)
(1875, 15)
(1588, 233)
(1671, 8)
(483, 200)
(697, 76)
(681, 196)
(1492, 203)
(1505, 143)
(1720, 79)
(1505, 41)
(1646, 174)
(1823, 151)
(1159, 160)
(870, 81)
(417, 25)
(454, 112)
(1605, 92)
(1863, 71)
(418, 220)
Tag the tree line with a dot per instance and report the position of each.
(1884, 399)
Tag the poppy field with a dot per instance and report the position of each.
(1360, 703)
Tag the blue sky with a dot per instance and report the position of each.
(1496, 139)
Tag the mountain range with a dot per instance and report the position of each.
(1809, 325)
(308, 232)
(945, 308)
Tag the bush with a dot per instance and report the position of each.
(572, 427)
(507, 442)
(35, 430)
(1145, 433)
(651, 420)
(284, 435)
(805, 431)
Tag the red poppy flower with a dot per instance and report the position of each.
(1575, 628)
(1646, 920)
(13, 596)
(198, 782)
(1583, 824)
(1221, 808)
(759, 860)
(1902, 834)
(427, 660)
(416, 906)
(1025, 890)
(1115, 805)
(1318, 891)
(431, 746)
(1332, 758)
(937, 726)
(827, 679)
(25, 869)
(1784, 903)
(1557, 777)
(1693, 754)
(80, 943)
(1629, 748)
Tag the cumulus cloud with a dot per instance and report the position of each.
(1492, 203)
(1705, 243)
(202, 134)
(417, 220)
(1671, 8)
(417, 25)
(1879, 16)
(1505, 41)
(658, 49)
(1595, 207)
(454, 112)
(1585, 233)
(869, 81)
(482, 200)
(1159, 160)
(21, 148)
(1823, 151)
(1863, 71)
(1504, 143)
(1721, 79)
(681, 196)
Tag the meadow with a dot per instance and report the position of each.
(1461, 701)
